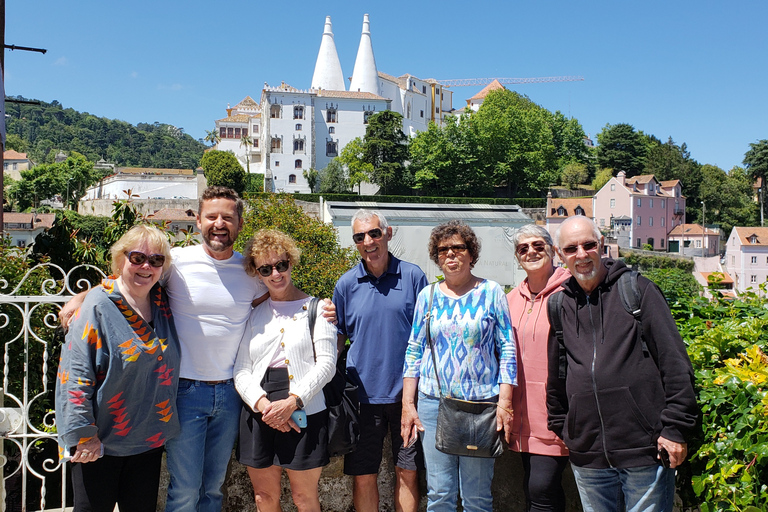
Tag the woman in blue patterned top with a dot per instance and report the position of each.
(475, 347)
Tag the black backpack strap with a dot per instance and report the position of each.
(312, 318)
(630, 298)
(554, 307)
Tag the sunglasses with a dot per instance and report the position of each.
(587, 246)
(537, 246)
(138, 258)
(443, 249)
(375, 234)
(281, 266)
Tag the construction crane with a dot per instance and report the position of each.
(468, 82)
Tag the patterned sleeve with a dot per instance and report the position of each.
(505, 338)
(84, 361)
(416, 343)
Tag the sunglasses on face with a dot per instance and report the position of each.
(138, 258)
(375, 234)
(587, 246)
(537, 246)
(443, 249)
(281, 266)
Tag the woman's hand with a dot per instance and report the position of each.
(89, 451)
(504, 414)
(278, 414)
(410, 424)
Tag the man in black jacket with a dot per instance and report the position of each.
(625, 403)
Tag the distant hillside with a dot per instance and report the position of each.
(47, 128)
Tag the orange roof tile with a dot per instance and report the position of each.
(745, 233)
(570, 204)
(726, 279)
(13, 155)
(44, 220)
(493, 86)
(247, 102)
(690, 230)
(173, 214)
(236, 118)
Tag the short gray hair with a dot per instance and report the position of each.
(571, 220)
(531, 230)
(363, 215)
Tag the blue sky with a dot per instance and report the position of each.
(692, 70)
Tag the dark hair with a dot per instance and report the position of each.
(219, 192)
(449, 229)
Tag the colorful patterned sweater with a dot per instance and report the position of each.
(118, 375)
(473, 340)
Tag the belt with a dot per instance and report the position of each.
(209, 382)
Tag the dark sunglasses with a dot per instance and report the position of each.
(538, 246)
(375, 234)
(587, 246)
(138, 258)
(281, 266)
(443, 249)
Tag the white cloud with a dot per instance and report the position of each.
(61, 61)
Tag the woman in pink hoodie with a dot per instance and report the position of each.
(543, 453)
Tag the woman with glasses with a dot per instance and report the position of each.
(475, 349)
(117, 380)
(543, 454)
(280, 373)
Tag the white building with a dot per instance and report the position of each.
(293, 130)
(746, 257)
(147, 183)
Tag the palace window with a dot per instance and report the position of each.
(298, 146)
(298, 127)
(274, 112)
(298, 112)
(230, 133)
(297, 165)
(292, 177)
(366, 115)
(222, 133)
(330, 115)
(237, 133)
(331, 148)
(639, 202)
(613, 187)
(650, 221)
(754, 260)
(276, 145)
(753, 278)
(331, 129)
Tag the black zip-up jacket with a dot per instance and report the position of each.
(616, 400)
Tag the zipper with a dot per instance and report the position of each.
(594, 382)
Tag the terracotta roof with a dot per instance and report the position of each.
(570, 204)
(669, 183)
(324, 93)
(642, 179)
(13, 155)
(247, 102)
(237, 118)
(401, 81)
(726, 279)
(44, 220)
(493, 86)
(690, 230)
(173, 214)
(746, 233)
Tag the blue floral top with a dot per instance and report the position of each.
(473, 340)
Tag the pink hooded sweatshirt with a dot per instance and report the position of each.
(529, 399)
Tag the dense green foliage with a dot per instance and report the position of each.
(222, 168)
(621, 148)
(69, 179)
(574, 174)
(644, 263)
(48, 128)
(333, 179)
(728, 199)
(756, 160)
(523, 202)
(676, 284)
(323, 261)
(385, 148)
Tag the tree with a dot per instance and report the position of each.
(668, 161)
(323, 261)
(222, 168)
(69, 179)
(212, 136)
(333, 179)
(728, 198)
(246, 141)
(353, 158)
(621, 148)
(574, 174)
(16, 143)
(756, 160)
(602, 177)
(313, 179)
(385, 148)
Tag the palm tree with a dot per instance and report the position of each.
(246, 141)
(212, 136)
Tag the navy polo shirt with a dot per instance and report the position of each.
(376, 314)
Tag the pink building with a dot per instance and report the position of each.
(639, 210)
(746, 257)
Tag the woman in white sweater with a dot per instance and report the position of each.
(280, 378)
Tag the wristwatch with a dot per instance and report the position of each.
(299, 402)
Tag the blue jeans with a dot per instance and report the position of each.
(449, 475)
(647, 489)
(198, 457)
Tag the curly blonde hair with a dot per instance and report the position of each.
(265, 242)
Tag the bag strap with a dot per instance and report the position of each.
(554, 308)
(630, 295)
(429, 337)
(312, 318)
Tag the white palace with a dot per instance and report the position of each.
(291, 130)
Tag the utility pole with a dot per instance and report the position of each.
(2, 143)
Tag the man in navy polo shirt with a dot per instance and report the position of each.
(374, 304)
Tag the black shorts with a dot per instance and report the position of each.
(375, 421)
(261, 446)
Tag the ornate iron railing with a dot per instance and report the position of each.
(29, 463)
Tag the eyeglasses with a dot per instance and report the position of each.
(537, 246)
(375, 234)
(443, 249)
(281, 266)
(138, 258)
(587, 246)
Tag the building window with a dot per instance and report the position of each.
(277, 164)
(331, 148)
(237, 133)
(638, 220)
(663, 203)
(561, 211)
(424, 89)
(274, 112)
(421, 113)
(733, 260)
(256, 143)
(639, 243)
(367, 115)
(408, 111)
(330, 115)
(230, 133)
(753, 239)
(650, 221)
(662, 243)
(291, 178)
(298, 112)
(276, 145)
(613, 203)
(222, 133)
(650, 204)
(698, 244)
(639, 201)
(298, 127)
(255, 129)
(579, 210)
(753, 278)
(296, 165)
(754, 260)
(662, 222)
(298, 145)
(602, 222)
(245, 132)
(650, 242)
(613, 187)
(331, 129)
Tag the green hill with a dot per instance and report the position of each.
(46, 128)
